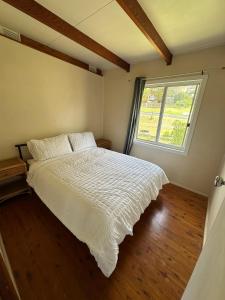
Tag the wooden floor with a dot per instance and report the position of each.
(50, 263)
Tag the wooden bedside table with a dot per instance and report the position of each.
(103, 143)
(12, 178)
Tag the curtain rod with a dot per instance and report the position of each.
(202, 72)
(177, 75)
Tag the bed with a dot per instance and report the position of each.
(98, 195)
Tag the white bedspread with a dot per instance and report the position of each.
(98, 195)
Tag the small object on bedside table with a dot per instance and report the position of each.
(13, 178)
(103, 143)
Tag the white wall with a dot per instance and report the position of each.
(196, 170)
(42, 96)
(215, 201)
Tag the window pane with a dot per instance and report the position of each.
(149, 114)
(178, 105)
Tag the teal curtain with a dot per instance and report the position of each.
(136, 104)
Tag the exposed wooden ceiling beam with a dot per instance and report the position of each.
(43, 15)
(58, 54)
(137, 14)
(55, 53)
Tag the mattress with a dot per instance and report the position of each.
(98, 195)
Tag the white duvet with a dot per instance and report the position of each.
(98, 195)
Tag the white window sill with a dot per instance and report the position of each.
(162, 148)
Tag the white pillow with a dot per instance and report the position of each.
(82, 141)
(50, 147)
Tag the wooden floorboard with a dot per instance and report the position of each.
(155, 263)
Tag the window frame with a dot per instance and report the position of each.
(192, 119)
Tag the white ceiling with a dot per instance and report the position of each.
(184, 25)
(188, 25)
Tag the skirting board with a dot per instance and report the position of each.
(5, 259)
(187, 188)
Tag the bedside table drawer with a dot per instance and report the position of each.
(7, 173)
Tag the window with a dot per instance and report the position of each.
(169, 111)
